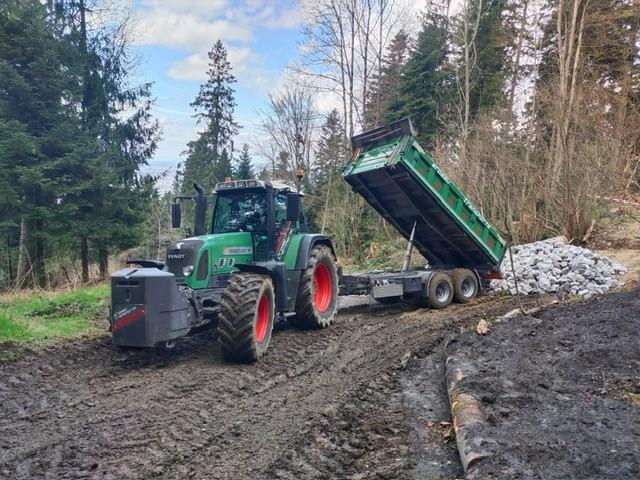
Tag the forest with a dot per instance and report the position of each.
(530, 106)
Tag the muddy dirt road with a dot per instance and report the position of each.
(322, 404)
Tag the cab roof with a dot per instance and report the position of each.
(253, 183)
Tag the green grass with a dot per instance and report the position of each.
(43, 318)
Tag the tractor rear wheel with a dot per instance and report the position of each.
(465, 285)
(246, 317)
(318, 291)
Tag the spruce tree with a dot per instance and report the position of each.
(331, 151)
(244, 169)
(37, 130)
(112, 147)
(427, 82)
(385, 86)
(330, 155)
(491, 65)
(208, 159)
(223, 167)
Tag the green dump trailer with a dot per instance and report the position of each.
(392, 172)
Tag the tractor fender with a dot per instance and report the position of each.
(306, 245)
(278, 274)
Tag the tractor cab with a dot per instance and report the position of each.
(270, 211)
(244, 221)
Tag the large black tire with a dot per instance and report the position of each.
(318, 291)
(465, 285)
(246, 317)
(440, 291)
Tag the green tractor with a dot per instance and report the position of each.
(249, 262)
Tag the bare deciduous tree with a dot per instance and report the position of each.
(466, 38)
(288, 124)
(345, 42)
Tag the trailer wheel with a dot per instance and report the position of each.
(318, 290)
(246, 317)
(465, 285)
(440, 291)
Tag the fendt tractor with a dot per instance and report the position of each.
(252, 261)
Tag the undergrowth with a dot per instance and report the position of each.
(388, 255)
(42, 318)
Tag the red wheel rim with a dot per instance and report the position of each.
(262, 322)
(323, 287)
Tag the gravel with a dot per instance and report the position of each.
(552, 266)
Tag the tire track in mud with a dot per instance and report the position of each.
(320, 404)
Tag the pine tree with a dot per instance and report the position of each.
(491, 65)
(331, 151)
(223, 168)
(427, 82)
(113, 147)
(385, 86)
(244, 169)
(206, 161)
(330, 156)
(37, 111)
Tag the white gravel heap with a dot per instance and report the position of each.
(552, 266)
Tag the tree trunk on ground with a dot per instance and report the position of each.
(84, 258)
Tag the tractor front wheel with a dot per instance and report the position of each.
(318, 291)
(246, 317)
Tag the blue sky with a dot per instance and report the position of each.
(172, 38)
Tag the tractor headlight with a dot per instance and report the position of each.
(186, 271)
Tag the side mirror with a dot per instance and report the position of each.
(176, 215)
(293, 207)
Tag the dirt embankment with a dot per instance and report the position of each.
(337, 403)
(559, 392)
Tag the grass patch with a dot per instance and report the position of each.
(42, 318)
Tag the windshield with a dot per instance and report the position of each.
(240, 212)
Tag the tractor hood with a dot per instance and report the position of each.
(194, 261)
(181, 256)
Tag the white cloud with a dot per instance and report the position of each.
(176, 30)
(176, 130)
(201, 7)
(327, 101)
(194, 25)
(286, 19)
(195, 66)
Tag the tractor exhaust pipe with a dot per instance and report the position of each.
(200, 227)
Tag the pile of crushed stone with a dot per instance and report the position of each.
(552, 266)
